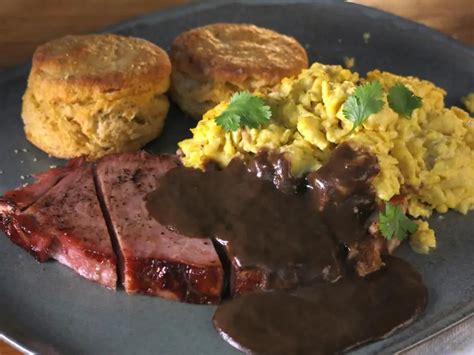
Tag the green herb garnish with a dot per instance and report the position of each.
(394, 223)
(244, 109)
(402, 100)
(366, 100)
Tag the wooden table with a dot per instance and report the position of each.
(26, 23)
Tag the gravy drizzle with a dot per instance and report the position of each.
(302, 230)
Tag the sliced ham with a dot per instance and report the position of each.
(24, 196)
(62, 220)
(156, 261)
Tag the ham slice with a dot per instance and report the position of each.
(59, 217)
(24, 196)
(156, 261)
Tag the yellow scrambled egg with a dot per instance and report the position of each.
(429, 158)
(468, 101)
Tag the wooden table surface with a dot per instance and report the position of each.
(26, 23)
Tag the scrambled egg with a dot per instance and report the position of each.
(429, 159)
(349, 62)
(423, 239)
(468, 101)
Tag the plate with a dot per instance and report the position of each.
(49, 309)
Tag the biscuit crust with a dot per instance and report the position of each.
(100, 63)
(237, 52)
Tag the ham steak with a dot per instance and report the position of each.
(156, 261)
(59, 217)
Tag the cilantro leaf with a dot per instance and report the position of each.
(394, 223)
(230, 121)
(402, 100)
(244, 109)
(366, 100)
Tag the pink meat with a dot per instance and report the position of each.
(27, 195)
(156, 261)
(65, 224)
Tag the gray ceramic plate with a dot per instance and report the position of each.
(49, 309)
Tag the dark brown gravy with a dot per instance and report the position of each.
(324, 319)
(259, 224)
(296, 229)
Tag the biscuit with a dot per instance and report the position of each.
(96, 94)
(212, 62)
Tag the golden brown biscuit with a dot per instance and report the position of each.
(212, 62)
(96, 94)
